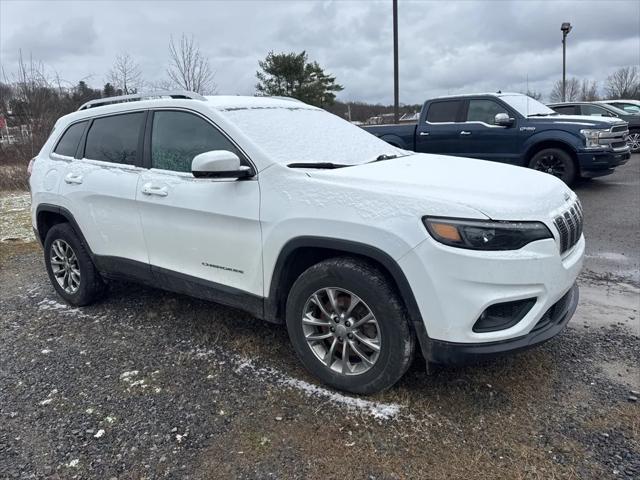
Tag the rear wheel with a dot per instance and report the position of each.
(555, 162)
(70, 268)
(348, 326)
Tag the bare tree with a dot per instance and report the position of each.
(624, 83)
(572, 90)
(125, 75)
(588, 91)
(533, 94)
(188, 68)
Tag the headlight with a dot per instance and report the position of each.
(485, 235)
(592, 137)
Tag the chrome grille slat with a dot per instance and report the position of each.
(569, 225)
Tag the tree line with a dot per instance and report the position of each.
(37, 99)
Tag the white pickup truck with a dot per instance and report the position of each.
(367, 252)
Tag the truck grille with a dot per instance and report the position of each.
(569, 225)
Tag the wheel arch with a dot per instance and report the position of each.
(49, 215)
(301, 253)
(559, 144)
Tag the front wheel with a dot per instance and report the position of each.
(348, 327)
(633, 140)
(555, 162)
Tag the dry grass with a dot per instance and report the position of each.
(14, 161)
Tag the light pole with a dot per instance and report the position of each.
(566, 28)
(396, 95)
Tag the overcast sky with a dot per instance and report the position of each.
(445, 46)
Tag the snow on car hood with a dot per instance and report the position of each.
(499, 191)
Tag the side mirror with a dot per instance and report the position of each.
(218, 164)
(503, 120)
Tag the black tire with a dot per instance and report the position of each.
(556, 162)
(91, 286)
(397, 341)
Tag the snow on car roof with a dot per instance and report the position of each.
(237, 102)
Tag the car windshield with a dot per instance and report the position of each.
(616, 110)
(304, 134)
(526, 106)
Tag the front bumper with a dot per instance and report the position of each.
(598, 164)
(552, 322)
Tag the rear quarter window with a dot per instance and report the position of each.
(566, 110)
(446, 111)
(68, 143)
(115, 139)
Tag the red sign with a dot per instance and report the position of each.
(3, 122)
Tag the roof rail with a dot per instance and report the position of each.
(141, 96)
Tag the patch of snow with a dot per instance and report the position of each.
(73, 463)
(45, 351)
(378, 410)
(99, 433)
(126, 375)
(46, 401)
(15, 217)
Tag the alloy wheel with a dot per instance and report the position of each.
(551, 164)
(65, 266)
(633, 140)
(341, 331)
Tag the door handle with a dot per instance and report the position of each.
(73, 178)
(423, 134)
(149, 189)
(464, 132)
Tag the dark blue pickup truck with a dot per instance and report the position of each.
(514, 128)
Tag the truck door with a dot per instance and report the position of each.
(480, 137)
(438, 131)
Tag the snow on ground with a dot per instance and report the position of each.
(15, 217)
(378, 410)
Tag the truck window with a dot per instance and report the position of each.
(484, 111)
(594, 110)
(566, 110)
(177, 137)
(68, 143)
(115, 138)
(446, 111)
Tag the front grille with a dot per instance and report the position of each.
(569, 225)
(618, 128)
(618, 144)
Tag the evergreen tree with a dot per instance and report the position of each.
(291, 75)
(108, 90)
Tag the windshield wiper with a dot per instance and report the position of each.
(322, 165)
(542, 114)
(384, 156)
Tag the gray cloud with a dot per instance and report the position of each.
(445, 47)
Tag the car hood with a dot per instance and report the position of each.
(582, 120)
(499, 191)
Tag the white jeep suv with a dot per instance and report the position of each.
(290, 213)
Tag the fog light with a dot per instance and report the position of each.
(501, 316)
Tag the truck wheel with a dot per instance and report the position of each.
(633, 140)
(555, 162)
(348, 326)
(70, 268)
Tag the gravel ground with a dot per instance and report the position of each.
(148, 384)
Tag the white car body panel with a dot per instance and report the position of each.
(205, 228)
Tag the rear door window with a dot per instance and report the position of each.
(115, 139)
(442, 112)
(68, 143)
(484, 111)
